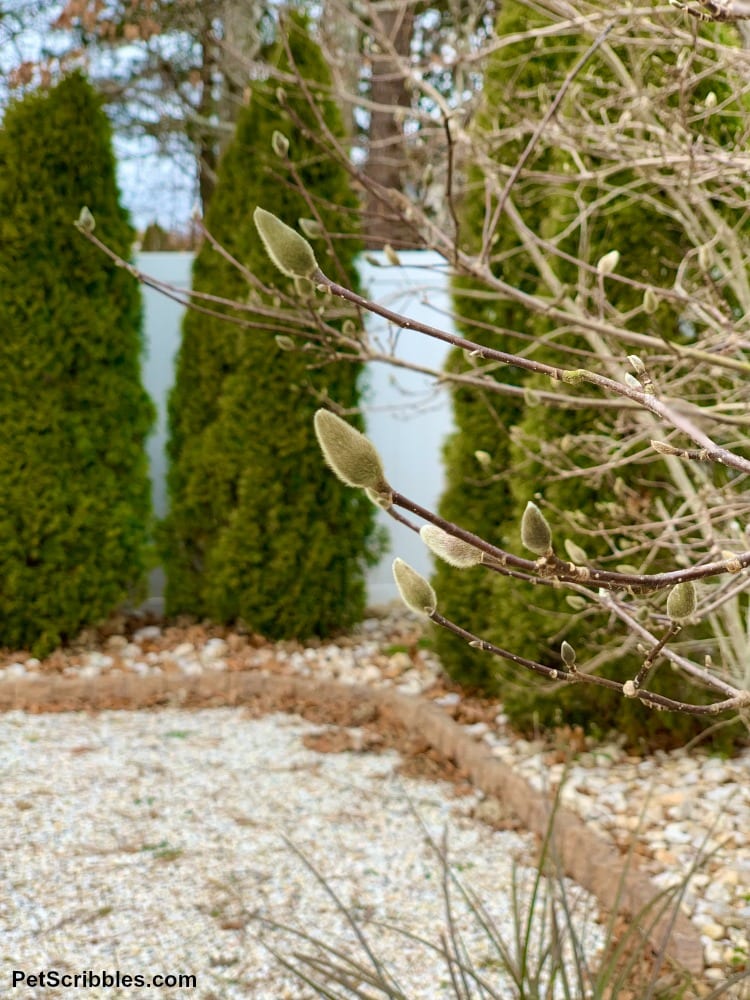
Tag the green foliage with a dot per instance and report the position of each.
(258, 528)
(74, 518)
(561, 457)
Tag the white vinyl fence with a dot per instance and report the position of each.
(407, 417)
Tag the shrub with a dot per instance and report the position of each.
(74, 517)
(597, 487)
(258, 529)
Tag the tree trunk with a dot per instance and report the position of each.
(387, 156)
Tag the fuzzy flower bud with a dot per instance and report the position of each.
(383, 499)
(450, 549)
(415, 591)
(681, 601)
(349, 453)
(310, 227)
(568, 654)
(279, 144)
(85, 221)
(650, 302)
(576, 554)
(391, 256)
(289, 251)
(608, 263)
(535, 533)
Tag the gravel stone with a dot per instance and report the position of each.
(152, 842)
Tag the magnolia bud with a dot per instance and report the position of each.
(681, 601)
(450, 549)
(608, 263)
(632, 382)
(535, 533)
(289, 251)
(279, 144)
(304, 287)
(711, 99)
(629, 689)
(665, 449)
(575, 553)
(391, 256)
(311, 228)
(483, 457)
(384, 499)
(415, 591)
(349, 453)
(531, 397)
(284, 343)
(85, 221)
(650, 302)
(568, 654)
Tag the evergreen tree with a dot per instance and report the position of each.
(551, 455)
(75, 507)
(258, 529)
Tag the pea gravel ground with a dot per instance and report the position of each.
(150, 842)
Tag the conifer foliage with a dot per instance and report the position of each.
(258, 529)
(75, 507)
(509, 450)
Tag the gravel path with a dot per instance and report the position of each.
(145, 842)
(675, 804)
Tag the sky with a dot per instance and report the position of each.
(155, 186)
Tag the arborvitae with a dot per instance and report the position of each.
(530, 443)
(75, 507)
(258, 528)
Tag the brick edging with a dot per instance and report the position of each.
(585, 856)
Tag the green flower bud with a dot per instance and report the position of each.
(289, 251)
(484, 458)
(284, 343)
(452, 550)
(568, 654)
(415, 591)
(535, 533)
(304, 287)
(85, 221)
(608, 263)
(391, 256)
(650, 302)
(279, 144)
(349, 453)
(311, 228)
(576, 554)
(681, 601)
(531, 397)
(384, 500)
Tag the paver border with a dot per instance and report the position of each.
(585, 856)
